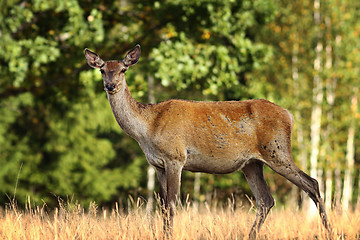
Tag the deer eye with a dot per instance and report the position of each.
(102, 71)
(123, 70)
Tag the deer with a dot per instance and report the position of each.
(218, 137)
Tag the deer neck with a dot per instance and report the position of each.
(128, 112)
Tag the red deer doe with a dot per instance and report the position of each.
(210, 137)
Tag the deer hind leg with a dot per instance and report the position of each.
(254, 175)
(287, 168)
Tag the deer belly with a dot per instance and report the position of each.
(214, 163)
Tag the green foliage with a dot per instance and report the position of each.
(55, 121)
(214, 55)
(57, 131)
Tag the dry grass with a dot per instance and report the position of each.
(71, 221)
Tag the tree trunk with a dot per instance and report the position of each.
(317, 105)
(299, 127)
(337, 172)
(350, 156)
(150, 188)
(197, 190)
(329, 133)
(151, 170)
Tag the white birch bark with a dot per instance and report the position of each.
(299, 127)
(337, 173)
(330, 98)
(151, 170)
(150, 188)
(197, 190)
(317, 105)
(350, 156)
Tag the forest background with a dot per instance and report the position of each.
(59, 139)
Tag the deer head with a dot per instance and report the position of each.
(113, 72)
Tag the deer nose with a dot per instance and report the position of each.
(110, 86)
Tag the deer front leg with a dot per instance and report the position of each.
(173, 179)
(160, 172)
(161, 175)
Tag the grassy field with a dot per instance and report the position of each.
(71, 221)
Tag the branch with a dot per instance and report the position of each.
(12, 91)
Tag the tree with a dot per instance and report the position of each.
(318, 94)
(206, 50)
(294, 38)
(56, 122)
(55, 119)
(53, 122)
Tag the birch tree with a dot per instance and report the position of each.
(349, 62)
(317, 103)
(330, 98)
(350, 155)
(150, 171)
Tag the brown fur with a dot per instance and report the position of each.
(211, 137)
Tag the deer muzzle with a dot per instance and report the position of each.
(110, 88)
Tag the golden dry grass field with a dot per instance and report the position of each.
(71, 221)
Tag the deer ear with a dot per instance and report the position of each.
(132, 56)
(93, 59)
